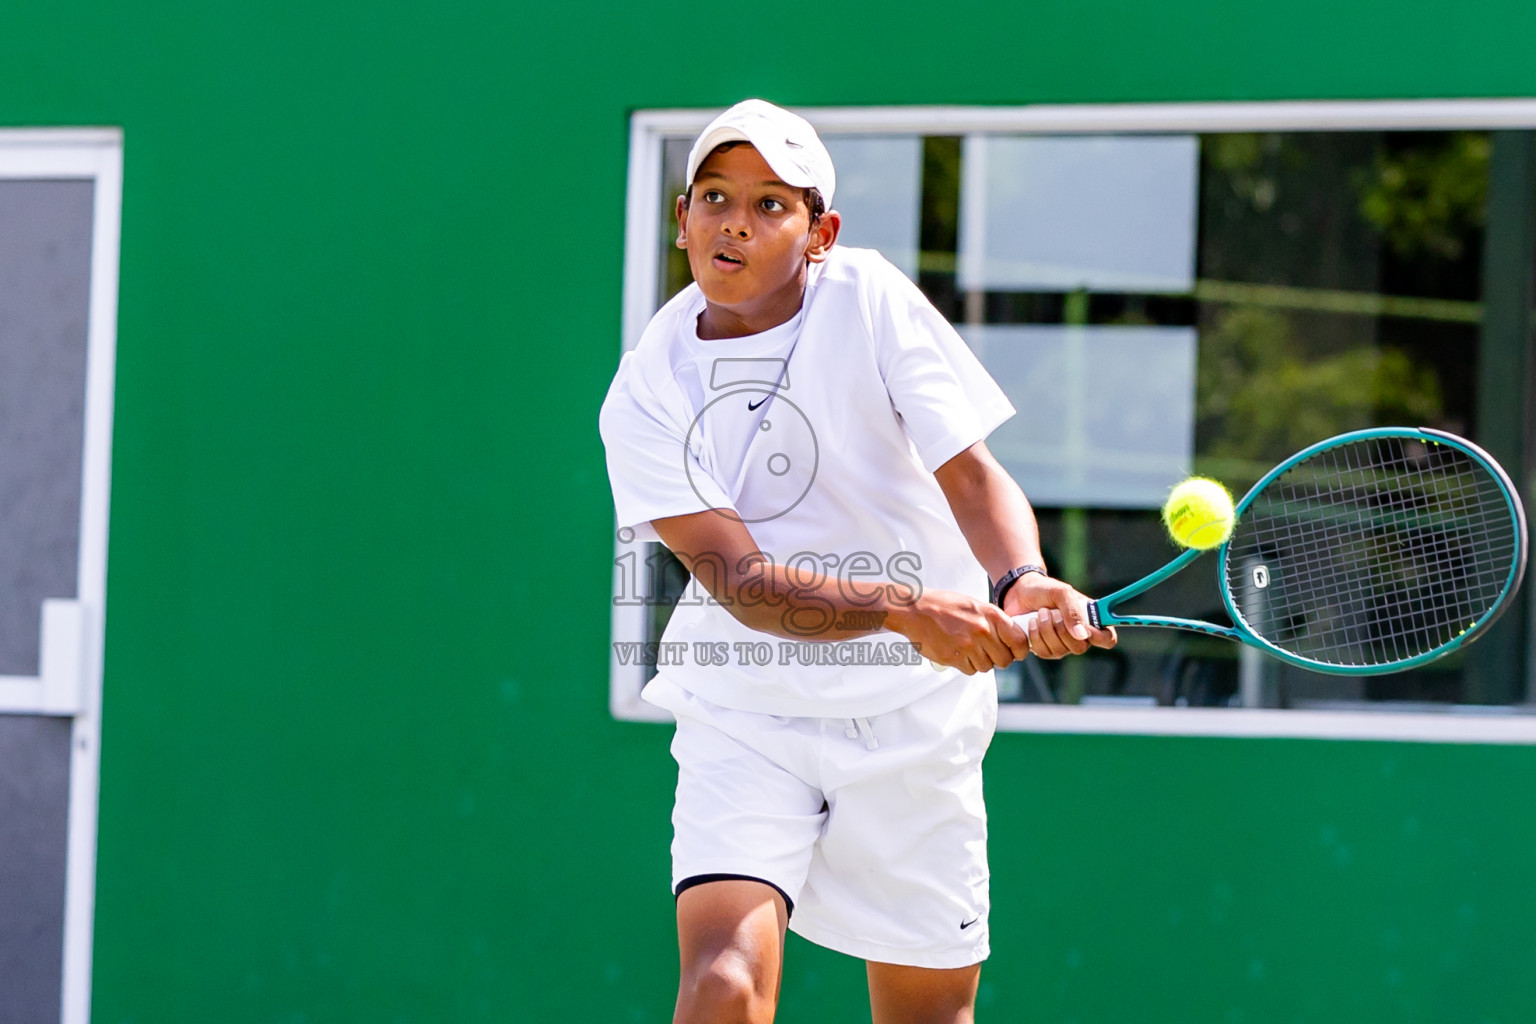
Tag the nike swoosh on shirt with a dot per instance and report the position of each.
(972, 921)
(752, 407)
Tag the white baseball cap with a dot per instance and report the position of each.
(786, 141)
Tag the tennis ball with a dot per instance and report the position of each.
(1198, 514)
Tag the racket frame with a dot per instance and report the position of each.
(1101, 612)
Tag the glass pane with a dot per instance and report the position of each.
(1330, 281)
(45, 275)
(1339, 287)
(675, 275)
(879, 194)
(1098, 213)
(1115, 426)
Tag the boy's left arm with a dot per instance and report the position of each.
(999, 525)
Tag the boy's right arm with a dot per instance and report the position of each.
(799, 603)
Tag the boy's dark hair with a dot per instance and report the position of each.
(812, 196)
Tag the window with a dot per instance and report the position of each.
(60, 197)
(1206, 289)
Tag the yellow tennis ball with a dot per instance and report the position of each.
(1199, 514)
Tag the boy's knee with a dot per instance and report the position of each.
(724, 990)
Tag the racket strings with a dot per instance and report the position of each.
(1391, 603)
(1373, 552)
(1398, 609)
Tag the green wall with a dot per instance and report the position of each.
(357, 760)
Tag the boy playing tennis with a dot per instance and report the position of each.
(805, 432)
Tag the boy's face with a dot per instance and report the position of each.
(748, 237)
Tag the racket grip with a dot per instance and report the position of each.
(1028, 618)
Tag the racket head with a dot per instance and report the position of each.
(1374, 551)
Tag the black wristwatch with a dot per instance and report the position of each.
(1012, 576)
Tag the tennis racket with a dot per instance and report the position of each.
(1373, 551)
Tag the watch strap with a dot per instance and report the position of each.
(1012, 576)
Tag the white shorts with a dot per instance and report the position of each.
(874, 829)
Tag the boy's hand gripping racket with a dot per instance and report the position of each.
(1374, 551)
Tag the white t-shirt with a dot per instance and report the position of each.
(822, 435)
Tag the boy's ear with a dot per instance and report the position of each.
(682, 222)
(823, 236)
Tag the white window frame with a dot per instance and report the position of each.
(649, 129)
(73, 632)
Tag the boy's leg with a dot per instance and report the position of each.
(744, 824)
(922, 995)
(731, 940)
